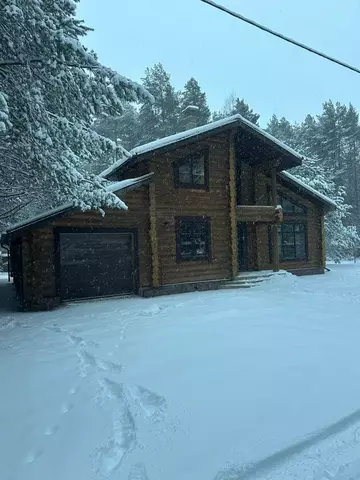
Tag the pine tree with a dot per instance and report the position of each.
(233, 106)
(51, 87)
(193, 96)
(283, 130)
(124, 128)
(351, 158)
(161, 118)
(331, 126)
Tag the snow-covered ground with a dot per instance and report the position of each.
(226, 385)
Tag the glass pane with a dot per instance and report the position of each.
(288, 253)
(300, 245)
(193, 239)
(198, 171)
(185, 172)
(288, 238)
(290, 207)
(287, 206)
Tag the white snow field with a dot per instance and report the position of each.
(227, 385)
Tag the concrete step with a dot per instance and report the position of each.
(230, 285)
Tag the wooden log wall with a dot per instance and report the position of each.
(213, 203)
(232, 206)
(39, 254)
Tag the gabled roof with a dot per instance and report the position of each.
(210, 128)
(49, 215)
(303, 187)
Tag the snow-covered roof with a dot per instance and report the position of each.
(65, 208)
(194, 132)
(128, 183)
(311, 191)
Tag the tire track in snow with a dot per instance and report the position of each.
(274, 462)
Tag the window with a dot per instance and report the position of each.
(292, 233)
(192, 171)
(292, 241)
(291, 208)
(193, 238)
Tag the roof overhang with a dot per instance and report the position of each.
(289, 180)
(260, 144)
(44, 218)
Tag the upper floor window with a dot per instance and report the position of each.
(291, 208)
(192, 171)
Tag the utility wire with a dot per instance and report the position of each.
(279, 35)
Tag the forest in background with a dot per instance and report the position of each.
(330, 141)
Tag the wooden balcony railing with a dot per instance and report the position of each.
(259, 213)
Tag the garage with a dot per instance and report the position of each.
(94, 263)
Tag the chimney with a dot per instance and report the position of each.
(189, 118)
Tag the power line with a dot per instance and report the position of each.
(279, 35)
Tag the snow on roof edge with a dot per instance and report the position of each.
(115, 187)
(193, 132)
(311, 190)
(128, 183)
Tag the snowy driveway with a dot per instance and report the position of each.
(260, 383)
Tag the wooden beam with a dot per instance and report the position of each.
(323, 245)
(153, 238)
(275, 228)
(232, 206)
(256, 213)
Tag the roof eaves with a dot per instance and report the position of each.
(330, 204)
(212, 127)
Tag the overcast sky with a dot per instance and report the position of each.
(224, 54)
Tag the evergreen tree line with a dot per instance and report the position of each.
(329, 141)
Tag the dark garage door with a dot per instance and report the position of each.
(96, 264)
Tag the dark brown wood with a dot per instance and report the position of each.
(153, 237)
(233, 188)
(256, 213)
(275, 228)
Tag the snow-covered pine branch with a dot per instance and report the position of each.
(51, 88)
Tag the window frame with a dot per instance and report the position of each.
(193, 220)
(190, 158)
(293, 224)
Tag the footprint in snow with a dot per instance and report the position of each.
(152, 404)
(122, 441)
(51, 430)
(66, 408)
(87, 361)
(33, 456)
(138, 472)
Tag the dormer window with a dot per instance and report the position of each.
(192, 171)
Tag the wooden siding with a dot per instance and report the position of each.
(40, 289)
(213, 203)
